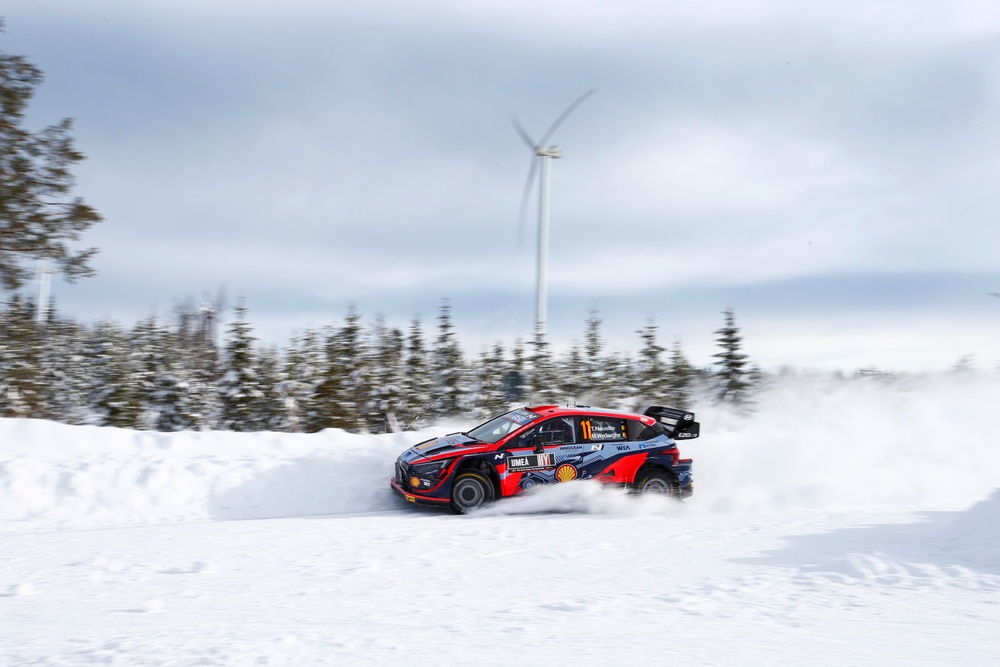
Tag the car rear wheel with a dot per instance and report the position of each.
(470, 491)
(655, 482)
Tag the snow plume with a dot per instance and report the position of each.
(926, 442)
(923, 441)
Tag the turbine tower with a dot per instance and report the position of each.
(543, 154)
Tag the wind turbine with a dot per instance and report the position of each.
(544, 155)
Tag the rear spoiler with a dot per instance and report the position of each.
(680, 424)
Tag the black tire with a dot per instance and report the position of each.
(655, 481)
(470, 491)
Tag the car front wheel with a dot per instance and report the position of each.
(470, 491)
(655, 482)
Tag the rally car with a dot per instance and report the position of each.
(548, 444)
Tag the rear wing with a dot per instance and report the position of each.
(680, 424)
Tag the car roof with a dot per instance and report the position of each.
(584, 410)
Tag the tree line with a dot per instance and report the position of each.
(361, 376)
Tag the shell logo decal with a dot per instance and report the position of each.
(565, 473)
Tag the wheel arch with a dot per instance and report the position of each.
(483, 466)
(649, 467)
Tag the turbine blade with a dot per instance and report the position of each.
(524, 134)
(565, 115)
(524, 201)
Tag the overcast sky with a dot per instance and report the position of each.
(828, 170)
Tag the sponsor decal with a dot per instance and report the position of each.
(596, 448)
(568, 448)
(566, 473)
(498, 457)
(647, 445)
(522, 416)
(414, 482)
(602, 429)
(623, 448)
(530, 462)
(409, 498)
(427, 445)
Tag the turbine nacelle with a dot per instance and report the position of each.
(551, 151)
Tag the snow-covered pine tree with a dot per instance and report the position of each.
(65, 373)
(269, 413)
(147, 363)
(387, 373)
(417, 399)
(517, 384)
(337, 392)
(240, 388)
(732, 380)
(21, 392)
(491, 398)
(650, 370)
(447, 367)
(114, 400)
(573, 371)
(679, 379)
(545, 385)
(303, 364)
(597, 382)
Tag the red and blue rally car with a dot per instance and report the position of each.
(547, 444)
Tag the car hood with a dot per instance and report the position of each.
(453, 442)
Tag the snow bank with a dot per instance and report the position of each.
(924, 443)
(53, 475)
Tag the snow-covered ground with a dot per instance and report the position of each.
(843, 522)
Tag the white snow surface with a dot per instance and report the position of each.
(840, 522)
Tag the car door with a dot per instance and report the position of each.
(534, 457)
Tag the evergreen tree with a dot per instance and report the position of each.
(417, 396)
(650, 371)
(516, 383)
(545, 387)
(113, 396)
(268, 410)
(147, 363)
(732, 380)
(597, 383)
(303, 368)
(680, 376)
(574, 374)
(491, 399)
(387, 373)
(447, 368)
(64, 372)
(38, 219)
(337, 392)
(240, 387)
(21, 392)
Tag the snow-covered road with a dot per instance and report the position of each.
(125, 548)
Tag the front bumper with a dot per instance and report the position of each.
(417, 498)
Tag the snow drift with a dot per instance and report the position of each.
(925, 442)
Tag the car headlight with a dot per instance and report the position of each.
(426, 475)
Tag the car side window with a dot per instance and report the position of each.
(639, 431)
(603, 429)
(558, 430)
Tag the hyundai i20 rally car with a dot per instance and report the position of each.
(548, 444)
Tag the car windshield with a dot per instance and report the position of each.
(494, 430)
